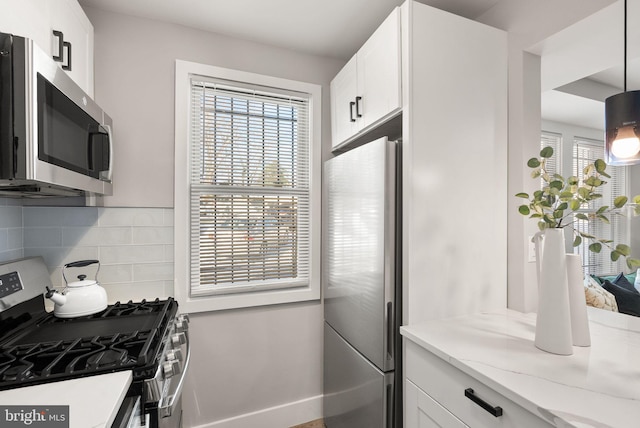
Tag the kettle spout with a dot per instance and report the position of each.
(57, 298)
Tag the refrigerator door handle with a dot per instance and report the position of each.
(390, 333)
(390, 406)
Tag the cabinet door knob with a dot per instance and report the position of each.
(358, 99)
(351, 105)
(495, 411)
(67, 66)
(60, 37)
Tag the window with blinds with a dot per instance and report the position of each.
(249, 188)
(554, 163)
(586, 151)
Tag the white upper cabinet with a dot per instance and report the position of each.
(66, 17)
(37, 20)
(367, 90)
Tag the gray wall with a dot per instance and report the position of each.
(243, 360)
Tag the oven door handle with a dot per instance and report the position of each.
(167, 409)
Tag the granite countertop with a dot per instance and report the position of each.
(93, 400)
(596, 387)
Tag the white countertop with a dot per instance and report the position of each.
(596, 387)
(93, 400)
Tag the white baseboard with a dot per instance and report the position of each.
(283, 416)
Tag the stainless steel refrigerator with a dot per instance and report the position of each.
(362, 295)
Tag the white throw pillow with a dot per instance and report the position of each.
(636, 284)
(597, 296)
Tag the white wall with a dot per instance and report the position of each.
(243, 360)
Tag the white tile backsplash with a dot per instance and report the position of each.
(134, 245)
(11, 246)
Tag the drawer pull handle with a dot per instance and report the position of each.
(495, 411)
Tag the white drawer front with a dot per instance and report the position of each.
(423, 411)
(446, 384)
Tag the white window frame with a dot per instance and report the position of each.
(182, 226)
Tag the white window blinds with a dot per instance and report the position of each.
(249, 188)
(554, 163)
(585, 152)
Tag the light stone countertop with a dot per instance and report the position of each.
(596, 387)
(93, 401)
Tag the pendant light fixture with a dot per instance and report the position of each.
(622, 120)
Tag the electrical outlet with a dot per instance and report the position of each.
(532, 249)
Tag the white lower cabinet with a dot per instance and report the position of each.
(435, 397)
(425, 412)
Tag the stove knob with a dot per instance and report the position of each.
(174, 354)
(178, 339)
(170, 368)
(182, 325)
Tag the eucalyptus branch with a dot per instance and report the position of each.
(562, 199)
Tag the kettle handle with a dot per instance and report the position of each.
(81, 263)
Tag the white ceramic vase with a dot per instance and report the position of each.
(577, 303)
(553, 321)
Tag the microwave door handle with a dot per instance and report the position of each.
(109, 133)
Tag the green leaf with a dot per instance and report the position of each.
(600, 165)
(524, 210)
(604, 174)
(535, 173)
(582, 216)
(566, 195)
(574, 204)
(547, 152)
(594, 182)
(583, 192)
(556, 184)
(602, 209)
(558, 214)
(636, 199)
(595, 247)
(615, 255)
(547, 219)
(542, 225)
(573, 180)
(620, 201)
(558, 177)
(563, 206)
(577, 241)
(538, 194)
(588, 170)
(603, 218)
(633, 263)
(595, 196)
(586, 235)
(533, 163)
(625, 250)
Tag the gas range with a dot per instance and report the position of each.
(148, 338)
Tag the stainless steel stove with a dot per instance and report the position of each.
(148, 337)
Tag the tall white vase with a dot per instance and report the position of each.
(577, 302)
(553, 321)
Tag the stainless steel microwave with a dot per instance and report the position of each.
(54, 139)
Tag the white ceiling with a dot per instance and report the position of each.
(336, 28)
(332, 28)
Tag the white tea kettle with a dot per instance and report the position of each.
(80, 298)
